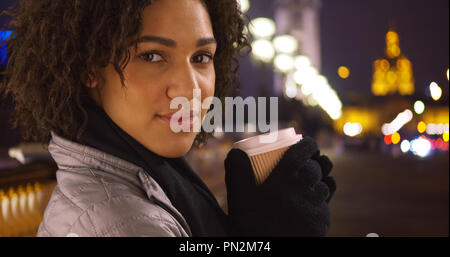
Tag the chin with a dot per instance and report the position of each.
(174, 153)
(169, 145)
(174, 149)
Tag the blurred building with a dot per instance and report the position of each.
(393, 73)
(301, 19)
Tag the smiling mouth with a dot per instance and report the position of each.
(188, 119)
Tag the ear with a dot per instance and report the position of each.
(91, 81)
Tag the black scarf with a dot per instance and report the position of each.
(187, 192)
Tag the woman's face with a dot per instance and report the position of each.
(174, 56)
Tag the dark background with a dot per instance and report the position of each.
(379, 190)
(353, 34)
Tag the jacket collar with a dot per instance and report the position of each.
(68, 155)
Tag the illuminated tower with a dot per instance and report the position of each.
(393, 73)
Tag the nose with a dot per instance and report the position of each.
(182, 81)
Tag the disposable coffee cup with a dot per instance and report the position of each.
(265, 156)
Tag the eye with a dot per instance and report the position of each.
(204, 58)
(151, 57)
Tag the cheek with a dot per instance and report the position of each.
(137, 76)
(208, 90)
(209, 85)
(143, 86)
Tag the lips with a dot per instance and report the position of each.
(187, 116)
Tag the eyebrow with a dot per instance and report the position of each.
(171, 43)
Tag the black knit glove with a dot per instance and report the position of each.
(292, 201)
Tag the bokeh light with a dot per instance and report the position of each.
(387, 139)
(352, 129)
(245, 5)
(262, 50)
(262, 27)
(445, 136)
(392, 44)
(286, 44)
(395, 138)
(437, 129)
(343, 72)
(302, 62)
(305, 75)
(405, 146)
(4, 35)
(399, 121)
(435, 91)
(421, 127)
(421, 147)
(284, 63)
(419, 107)
(290, 87)
(439, 143)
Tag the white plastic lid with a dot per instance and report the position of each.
(253, 145)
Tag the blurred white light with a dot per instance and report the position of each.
(307, 88)
(291, 92)
(321, 91)
(437, 129)
(405, 146)
(335, 115)
(244, 4)
(312, 83)
(435, 91)
(420, 147)
(311, 101)
(386, 129)
(419, 107)
(327, 97)
(316, 88)
(262, 27)
(305, 75)
(286, 44)
(401, 119)
(321, 80)
(290, 87)
(284, 63)
(262, 50)
(352, 129)
(302, 62)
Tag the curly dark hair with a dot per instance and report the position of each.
(57, 46)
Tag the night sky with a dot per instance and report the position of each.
(353, 34)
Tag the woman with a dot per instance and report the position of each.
(94, 80)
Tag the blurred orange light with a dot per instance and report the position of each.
(396, 51)
(387, 139)
(391, 77)
(395, 138)
(421, 127)
(343, 72)
(392, 37)
(384, 65)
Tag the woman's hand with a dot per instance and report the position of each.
(292, 201)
